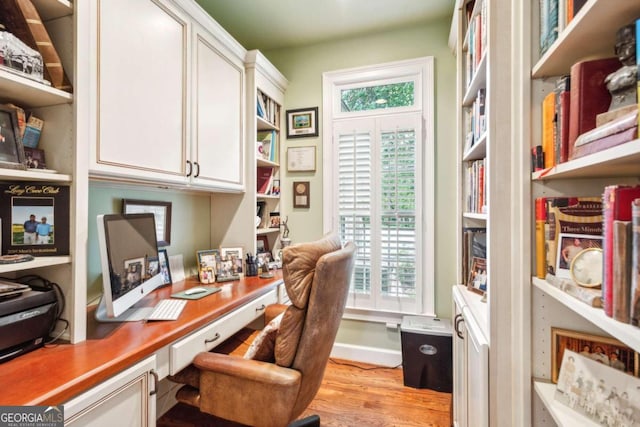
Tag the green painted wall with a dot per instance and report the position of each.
(190, 224)
(303, 67)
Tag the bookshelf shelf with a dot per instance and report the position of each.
(46, 261)
(263, 124)
(478, 150)
(624, 332)
(29, 93)
(19, 175)
(561, 414)
(262, 231)
(478, 81)
(263, 162)
(590, 34)
(623, 160)
(477, 216)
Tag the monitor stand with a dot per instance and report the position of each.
(130, 315)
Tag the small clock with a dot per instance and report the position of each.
(586, 268)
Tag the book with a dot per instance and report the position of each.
(615, 132)
(474, 245)
(264, 177)
(616, 206)
(541, 219)
(589, 95)
(592, 297)
(35, 218)
(621, 268)
(537, 158)
(569, 216)
(23, 20)
(563, 99)
(267, 140)
(634, 309)
(548, 23)
(548, 137)
(32, 132)
(573, 7)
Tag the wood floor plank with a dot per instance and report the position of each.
(353, 394)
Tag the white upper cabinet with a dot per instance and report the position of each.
(169, 104)
(218, 106)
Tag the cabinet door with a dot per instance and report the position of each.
(459, 370)
(130, 394)
(477, 370)
(217, 108)
(142, 90)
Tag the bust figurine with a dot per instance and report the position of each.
(622, 84)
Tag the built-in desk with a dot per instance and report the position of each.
(55, 374)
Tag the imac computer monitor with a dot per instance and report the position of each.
(130, 267)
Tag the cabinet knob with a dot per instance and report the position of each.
(262, 307)
(189, 168)
(197, 169)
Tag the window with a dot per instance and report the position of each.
(379, 183)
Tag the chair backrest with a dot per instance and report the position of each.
(317, 277)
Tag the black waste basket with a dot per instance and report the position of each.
(427, 353)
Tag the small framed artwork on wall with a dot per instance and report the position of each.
(302, 122)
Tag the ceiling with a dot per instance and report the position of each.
(273, 24)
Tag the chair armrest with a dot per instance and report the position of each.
(253, 370)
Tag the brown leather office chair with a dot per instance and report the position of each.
(277, 388)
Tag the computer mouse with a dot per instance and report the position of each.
(194, 291)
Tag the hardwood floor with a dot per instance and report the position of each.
(352, 394)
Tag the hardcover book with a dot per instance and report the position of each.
(569, 216)
(617, 201)
(548, 136)
(621, 267)
(635, 263)
(563, 100)
(35, 218)
(589, 95)
(264, 179)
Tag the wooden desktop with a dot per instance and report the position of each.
(56, 373)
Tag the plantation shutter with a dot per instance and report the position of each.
(378, 184)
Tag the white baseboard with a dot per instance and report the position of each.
(372, 355)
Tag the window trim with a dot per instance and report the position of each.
(332, 82)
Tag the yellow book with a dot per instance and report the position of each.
(548, 130)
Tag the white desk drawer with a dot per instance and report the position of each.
(183, 351)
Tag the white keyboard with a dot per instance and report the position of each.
(167, 309)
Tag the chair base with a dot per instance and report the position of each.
(310, 421)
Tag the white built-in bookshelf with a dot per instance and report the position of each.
(591, 34)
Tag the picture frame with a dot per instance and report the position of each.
(161, 211)
(302, 122)
(11, 147)
(301, 159)
(596, 391)
(35, 218)
(34, 158)
(233, 261)
(165, 268)
(274, 219)
(301, 197)
(275, 188)
(570, 245)
(262, 244)
(207, 263)
(264, 259)
(587, 345)
(477, 281)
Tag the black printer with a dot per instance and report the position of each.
(26, 321)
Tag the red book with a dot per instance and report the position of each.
(263, 179)
(589, 95)
(616, 206)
